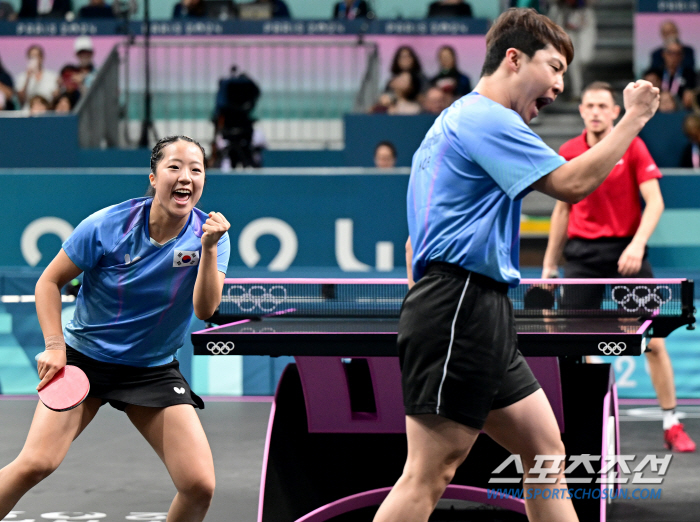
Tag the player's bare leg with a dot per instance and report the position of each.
(661, 372)
(49, 438)
(177, 436)
(529, 428)
(436, 448)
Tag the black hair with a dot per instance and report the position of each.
(526, 30)
(416, 69)
(388, 144)
(157, 155)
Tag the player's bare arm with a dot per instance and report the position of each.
(409, 263)
(48, 307)
(577, 178)
(630, 261)
(557, 239)
(210, 282)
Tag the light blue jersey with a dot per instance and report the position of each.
(468, 178)
(135, 304)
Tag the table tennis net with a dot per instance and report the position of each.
(349, 298)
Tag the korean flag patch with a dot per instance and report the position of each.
(185, 258)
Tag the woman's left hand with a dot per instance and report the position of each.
(214, 227)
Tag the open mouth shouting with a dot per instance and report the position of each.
(182, 195)
(539, 103)
(543, 102)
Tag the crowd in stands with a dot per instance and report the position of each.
(672, 69)
(410, 91)
(249, 9)
(38, 90)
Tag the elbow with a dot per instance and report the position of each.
(577, 193)
(575, 198)
(204, 314)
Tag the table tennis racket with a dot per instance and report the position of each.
(538, 298)
(66, 390)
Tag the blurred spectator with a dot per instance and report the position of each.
(7, 12)
(35, 80)
(674, 78)
(406, 60)
(278, 9)
(541, 6)
(189, 8)
(69, 83)
(85, 53)
(45, 8)
(385, 155)
(235, 142)
(405, 88)
(449, 8)
(352, 9)
(38, 105)
(450, 79)
(96, 9)
(691, 154)
(63, 104)
(435, 100)
(667, 102)
(402, 96)
(669, 31)
(7, 90)
(579, 21)
(653, 76)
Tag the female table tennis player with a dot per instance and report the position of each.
(147, 263)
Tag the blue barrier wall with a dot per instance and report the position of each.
(663, 136)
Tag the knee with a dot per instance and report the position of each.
(199, 490)
(434, 476)
(35, 469)
(656, 348)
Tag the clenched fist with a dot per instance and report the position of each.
(214, 227)
(641, 99)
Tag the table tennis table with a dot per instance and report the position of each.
(336, 437)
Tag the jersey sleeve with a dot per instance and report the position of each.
(223, 252)
(644, 165)
(85, 246)
(513, 155)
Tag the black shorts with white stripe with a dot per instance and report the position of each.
(458, 347)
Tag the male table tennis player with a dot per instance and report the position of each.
(461, 369)
(608, 232)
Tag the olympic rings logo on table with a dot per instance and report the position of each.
(641, 296)
(264, 299)
(612, 348)
(220, 348)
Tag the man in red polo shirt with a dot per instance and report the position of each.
(607, 235)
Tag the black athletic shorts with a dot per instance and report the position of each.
(121, 385)
(458, 347)
(595, 258)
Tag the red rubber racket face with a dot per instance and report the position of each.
(66, 390)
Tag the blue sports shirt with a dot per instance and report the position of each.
(135, 304)
(468, 178)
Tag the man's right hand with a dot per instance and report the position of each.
(641, 100)
(550, 272)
